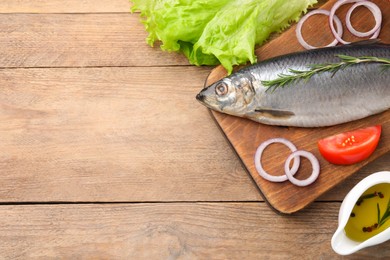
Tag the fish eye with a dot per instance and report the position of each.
(221, 89)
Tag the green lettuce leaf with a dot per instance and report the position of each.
(210, 32)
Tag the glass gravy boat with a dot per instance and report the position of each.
(343, 245)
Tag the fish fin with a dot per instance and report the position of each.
(274, 113)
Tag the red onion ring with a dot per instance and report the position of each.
(314, 162)
(332, 15)
(342, 2)
(298, 30)
(374, 32)
(376, 12)
(259, 153)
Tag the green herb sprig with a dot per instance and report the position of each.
(284, 79)
(386, 215)
(380, 219)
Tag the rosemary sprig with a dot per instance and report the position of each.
(385, 216)
(378, 210)
(285, 79)
(380, 220)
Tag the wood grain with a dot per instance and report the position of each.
(78, 40)
(104, 134)
(169, 231)
(70, 6)
(246, 135)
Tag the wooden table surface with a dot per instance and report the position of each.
(106, 154)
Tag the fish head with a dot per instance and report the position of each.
(229, 95)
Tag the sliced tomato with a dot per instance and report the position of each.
(350, 147)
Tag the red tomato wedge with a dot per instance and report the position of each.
(350, 147)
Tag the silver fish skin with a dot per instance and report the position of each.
(325, 99)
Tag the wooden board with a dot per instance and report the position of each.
(245, 135)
